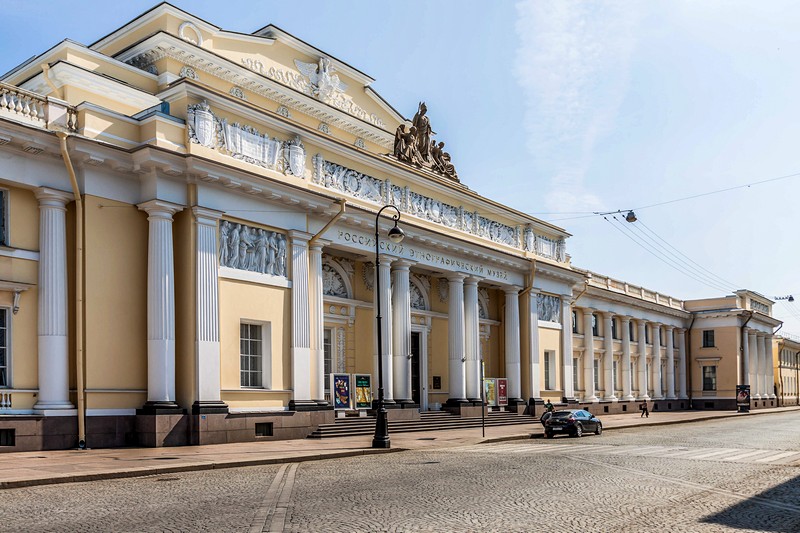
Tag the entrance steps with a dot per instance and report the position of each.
(429, 421)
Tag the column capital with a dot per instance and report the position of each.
(318, 245)
(472, 281)
(512, 289)
(402, 264)
(206, 216)
(761, 334)
(668, 327)
(299, 237)
(653, 323)
(625, 319)
(608, 315)
(160, 209)
(52, 197)
(589, 310)
(386, 260)
(456, 277)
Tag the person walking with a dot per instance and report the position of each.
(643, 408)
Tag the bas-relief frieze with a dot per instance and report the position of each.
(254, 249)
(319, 81)
(245, 142)
(334, 176)
(421, 255)
(549, 308)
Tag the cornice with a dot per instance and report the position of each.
(632, 301)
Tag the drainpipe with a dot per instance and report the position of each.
(585, 288)
(342, 206)
(62, 136)
(46, 73)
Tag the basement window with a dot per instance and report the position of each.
(264, 429)
(7, 437)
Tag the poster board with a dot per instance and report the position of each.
(363, 395)
(340, 391)
(743, 395)
(502, 391)
(490, 391)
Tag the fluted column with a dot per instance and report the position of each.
(455, 339)
(656, 365)
(588, 356)
(52, 327)
(643, 393)
(670, 364)
(608, 358)
(160, 305)
(472, 365)
(535, 377)
(627, 388)
(207, 347)
(755, 392)
(387, 339)
(762, 367)
(401, 331)
(301, 324)
(316, 321)
(770, 367)
(745, 377)
(513, 370)
(566, 346)
(682, 364)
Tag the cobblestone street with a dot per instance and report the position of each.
(727, 475)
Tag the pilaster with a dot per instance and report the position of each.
(301, 324)
(566, 346)
(316, 321)
(535, 376)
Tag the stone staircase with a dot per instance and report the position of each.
(429, 421)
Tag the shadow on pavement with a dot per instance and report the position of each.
(774, 510)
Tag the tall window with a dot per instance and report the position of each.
(614, 329)
(549, 370)
(3, 221)
(646, 334)
(662, 339)
(631, 331)
(616, 376)
(575, 373)
(594, 326)
(708, 338)
(596, 374)
(4, 377)
(574, 322)
(709, 378)
(327, 350)
(254, 355)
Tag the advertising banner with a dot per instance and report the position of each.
(363, 390)
(490, 390)
(502, 391)
(743, 395)
(340, 391)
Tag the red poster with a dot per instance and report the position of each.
(502, 391)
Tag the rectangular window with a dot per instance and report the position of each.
(647, 335)
(3, 217)
(575, 372)
(631, 331)
(5, 378)
(708, 338)
(614, 329)
(634, 378)
(574, 322)
(616, 377)
(596, 374)
(327, 350)
(662, 338)
(255, 355)
(594, 326)
(548, 385)
(709, 378)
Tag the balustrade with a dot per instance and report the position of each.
(35, 109)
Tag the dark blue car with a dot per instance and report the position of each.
(573, 422)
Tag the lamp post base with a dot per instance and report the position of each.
(381, 438)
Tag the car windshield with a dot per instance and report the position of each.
(562, 414)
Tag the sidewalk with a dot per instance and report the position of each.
(22, 469)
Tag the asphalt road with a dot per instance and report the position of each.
(729, 475)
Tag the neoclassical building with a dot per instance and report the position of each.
(188, 253)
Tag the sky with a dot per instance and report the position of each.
(562, 109)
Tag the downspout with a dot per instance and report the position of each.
(688, 348)
(342, 206)
(62, 136)
(585, 288)
(46, 73)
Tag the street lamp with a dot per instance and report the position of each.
(381, 438)
(789, 298)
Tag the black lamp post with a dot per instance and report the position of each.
(381, 438)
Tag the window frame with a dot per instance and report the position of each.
(615, 333)
(595, 326)
(711, 385)
(574, 322)
(7, 348)
(265, 355)
(5, 222)
(596, 372)
(549, 370)
(328, 356)
(708, 338)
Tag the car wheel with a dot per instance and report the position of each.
(599, 430)
(548, 434)
(578, 431)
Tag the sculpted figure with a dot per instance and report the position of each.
(423, 131)
(272, 254)
(224, 231)
(399, 141)
(281, 255)
(436, 157)
(244, 244)
(448, 169)
(233, 261)
(260, 262)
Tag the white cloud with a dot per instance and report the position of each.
(573, 63)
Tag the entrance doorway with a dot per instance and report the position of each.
(415, 368)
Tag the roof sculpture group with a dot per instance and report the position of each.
(416, 147)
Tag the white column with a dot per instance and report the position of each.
(301, 323)
(657, 361)
(535, 377)
(643, 394)
(455, 339)
(160, 305)
(566, 346)
(513, 370)
(588, 356)
(384, 280)
(762, 367)
(627, 388)
(316, 321)
(52, 328)
(401, 330)
(682, 364)
(770, 366)
(207, 347)
(670, 363)
(755, 392)
(472, 340)
(608, 358)
(745, 377)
